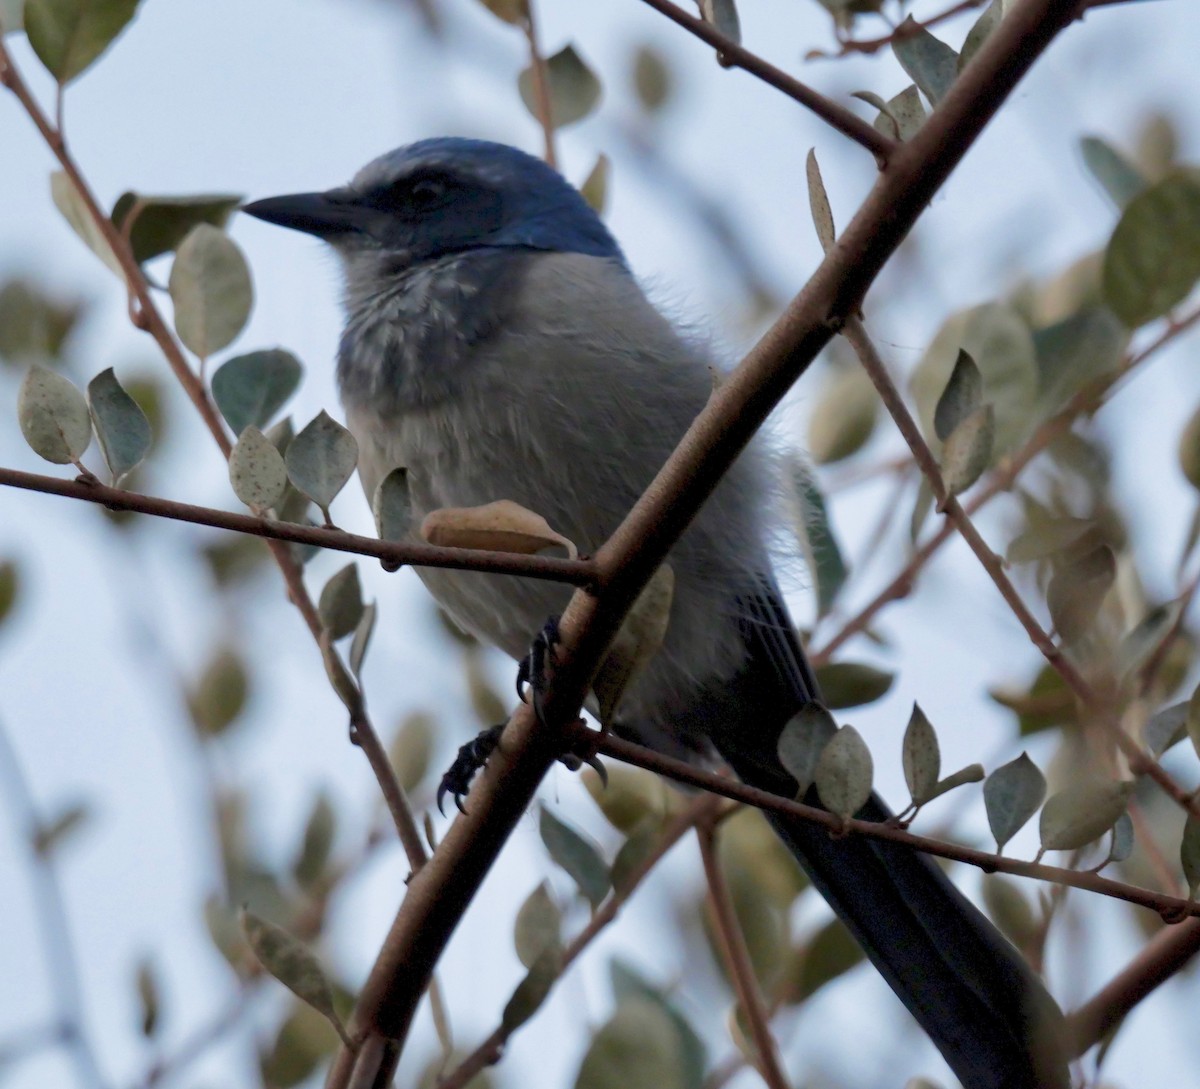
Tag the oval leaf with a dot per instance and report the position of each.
(843, 418)
(532, 991)
(638, 640)
(931, 63)
(638, 1048)
(573, 87)
(802, 741)
(968, 450)
(921, 756)
(292, 963)
(576, 854)
(1189, 855)
(53, 416)
(1077, 590)
(538, 926)
(962, 396)
(210, 287)
(851, 684)
(68, 35)
(1012, 795)
(502, 526)
(68, 201)
(321, 459)
(392, 506)
(249, 389)
(256, 470)
(159, 224)
(121, 425)
(341, 605)
(843, 773)
(1074, 817)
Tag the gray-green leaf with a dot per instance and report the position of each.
(121, 425)
(968, 450)
(538, 926)
(852, 684)
(68, 201)
(802, 741)
(573, 88)
(210, 287)
(921, 757)
(68, 35)
(53, 416)
(962, 396)
(249, 389)
(1189, 855)
(843, 773)
(818, 203)
(723, 15)
(930, 62)
(321, 459)
(533, 990)
(1122, 181)
(1011, 795)
(1077, 590)
(1074, 817)
(256, 470)
(576, 854)
(341, 605)
(161, 223)
(392, 506)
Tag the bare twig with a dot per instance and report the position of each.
(541, 84)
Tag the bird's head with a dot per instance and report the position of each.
(446, 196)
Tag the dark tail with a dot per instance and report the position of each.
(970, 990)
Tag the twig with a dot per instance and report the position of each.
(732, 55)
(733, 948)
(904, 30)
(541, 84)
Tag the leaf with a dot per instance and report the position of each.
(511, 11)
(249, 389)
(638, 640)
(830, 953)
(68, 201)
(341, 605)
(121, 425)
(723, 15)
(292, 963)
(1009, 909)
(633, 853)
(922, 505)
(392, 506)
(627, 984)
(68, 35)
(1122, 839)
(12, 16)
(220, 695)
(1121, 180)
(502, 526)
(1077, 590)
(538, 926)
(49, 835)
(852, 684)
(931, 63)
(961, 397)
(573, 88)
(978, 34)
(316, 843)
(802, 741)
(844, 416)
(148, 997)
(972, 773)
(1074, 817)
(1044, 539)
(968, 450)
(630, 799)
(533, 990)
(576, 854)
(1166, 728)
(843, 773)
(1071, 353)
(1153, 258)
(815, 536)
(595, 186)
(10, 587)
(1012, 794)
(652, 80)
(637, 1048)
(818, 203)
(210, 288)
(303, 1042)
(921, 757)
(160, 224)
(256, 471)
(411, 749)
(900, 117)
(53, 416)
(320, 459)
(34, 325)
(1189, 855)
(362, 639)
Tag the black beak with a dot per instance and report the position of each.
(322, 214)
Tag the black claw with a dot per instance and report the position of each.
(471, 757)
(531, 672)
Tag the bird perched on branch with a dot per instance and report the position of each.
(498, 347)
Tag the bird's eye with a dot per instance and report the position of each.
(427, 192)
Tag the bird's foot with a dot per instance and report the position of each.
(471, 758)
(532, 671)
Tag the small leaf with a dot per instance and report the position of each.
(1012, 795)
(802, 741)
(922, 505)
(962, 396)
(931, 63)
(538, 926)
(627, 984)
(316, 844)
(392, 506)
(632, 854)
(1189, 855)
(159, 224)
(852, 684)
(921, 757)
(573, 87)
(148, 997)
(652, 80)
(1153, 258)
(1122, 181)
(637, 1048)
(210, 287)
(595, 185)
(220, 694)
(68, 35)
(576, 854)
(1009, 909)
(68, 201)
(292, 963)
(1166, 728)
(533, 990)
(249, 389)
(341, 605)
(830, 953)
(411, 749)
(843, 418)
(53, 416)
(1189, 451)
(843, 773)
(1077, 590)
(321, 459)
(10, 588)
(502, 526)
(900, 117)
(511, 11)
(631, 797)
(34, 325)
(121, 425)
(972, 773)
(256, 471)
(818, 203)
(723, 15)
(640, 636)
(362, 639)
(1046, 538)
(978, 33)
(1122, 839)
(968, 450)
(51, 834)
(1074, 817)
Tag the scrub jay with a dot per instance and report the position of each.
(498, 347)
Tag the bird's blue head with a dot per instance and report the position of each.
(446, 196)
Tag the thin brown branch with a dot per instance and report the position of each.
(391, 553)
(732, 943)
(732, 55)
(906, 29)
(541, 84)
(1166, 953)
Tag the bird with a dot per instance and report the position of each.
(497, 345)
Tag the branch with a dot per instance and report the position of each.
(732, 943)
(906, 29)
(391, 553)
(732, 55)
(541, 84)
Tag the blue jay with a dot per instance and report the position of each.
(498, 347)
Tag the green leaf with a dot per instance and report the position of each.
(1074, 817)
(321, 459)
(802, 741)
(341, 605)
(220, 695)
(652, 79)
(68, 35)
(931, 63)
(53, 416)
(210, 287)
(511, 11)
(1012, 794)
(573, 87)
(972, 773)
(627, 985)
(148, 997)
(160, 224)
(638, 1048)
(830, 953)
(1009, 909)
(1122, 839)
(249, 389)
(631, 798)
(595, 186)
(1046, 538)
(1153, 258)
(962, 396)
(538, 926)
(638, 640)
(968, 450)
(1073, 352)
(34, 325)
(723, 15)
(256, 471)
(818, 203)
(361, 640)
(1122, 181)
(921, 756)
(901, 116)
(1166, 728)
(10, 588)
(303, 1042)
(1189, 855)
(121, 425)
(411, 749)
(633, 853)
(316, 844)
(979, 33)
(68, 201)
(844, 416)
(843, 773)
(292, 963)
(533, 990)
(392, 506)
(576, 854)
(852, 684)
(1077, 591)
(815, 535)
